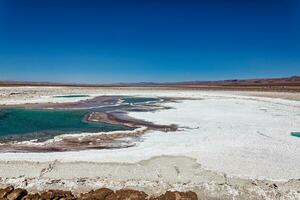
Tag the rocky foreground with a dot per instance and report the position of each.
(11, 193)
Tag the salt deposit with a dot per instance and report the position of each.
(237, 134)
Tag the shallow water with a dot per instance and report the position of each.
(17, 123)
(295, 134)
(21, 124)
(72, 96)
(135, 100)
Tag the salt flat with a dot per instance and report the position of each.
(240, 134)
(248, 138)
(230, 132)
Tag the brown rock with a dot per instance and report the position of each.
(10, 193)
(177, 196)
(130, 195)
(47, 195)
(17, 194)
(68, 195)
(32, 197)
(57, 194)
(100, 194)
(6, 191)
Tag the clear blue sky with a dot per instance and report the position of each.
(152, 40)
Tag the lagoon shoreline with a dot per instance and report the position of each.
(98, 126)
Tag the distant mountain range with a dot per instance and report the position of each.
(289, 82)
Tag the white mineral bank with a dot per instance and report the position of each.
(230, 132)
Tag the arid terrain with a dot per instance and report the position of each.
(291, 84)
(227, 144)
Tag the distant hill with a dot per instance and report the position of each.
(293, 81)
(289, 81)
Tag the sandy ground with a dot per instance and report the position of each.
(228, 144)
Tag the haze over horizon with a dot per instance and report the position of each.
(148, 41)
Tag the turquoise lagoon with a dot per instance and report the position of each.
(295, 134)
(45, 123)
(25, 124)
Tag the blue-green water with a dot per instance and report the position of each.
(18, 122)
(72, 96)
(139, 100)
(26, 124)
(295, 134)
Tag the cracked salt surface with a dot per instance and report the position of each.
(235, 136)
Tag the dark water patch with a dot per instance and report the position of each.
(138, 100)
(72, 96)
(18, 124)
(295, 134)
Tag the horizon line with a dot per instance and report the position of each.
(58, 83)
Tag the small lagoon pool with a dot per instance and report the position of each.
(21, 124)
(48, 123)
(295, 134)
